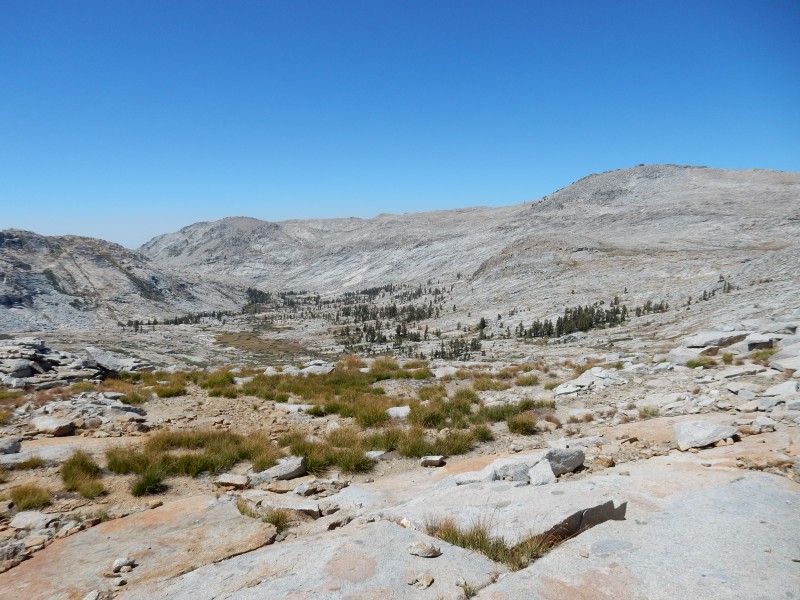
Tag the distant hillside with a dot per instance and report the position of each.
(80, 282)
(659, 230)
(631, 225)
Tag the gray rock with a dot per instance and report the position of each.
(53, 426)
(787, 388)
(681, 355)
(32, 519)
(513, 472)
(541, 473)
(238, 482)
(635, 557)
(697, 434)
(704, 339)
(288, 468)
(564, 460)
(770, 402)
(431, 461)
(746, 395)
(10, 445)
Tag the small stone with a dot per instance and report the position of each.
(431, 461)
(424, 581)
(237, 482)
(126, 569)
(584, 553)
(424, 549)
(120, 582)
(122, 562)
(93, 595)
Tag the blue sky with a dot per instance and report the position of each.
(127, 119)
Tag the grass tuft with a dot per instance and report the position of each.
(30, 497)
(81, 474)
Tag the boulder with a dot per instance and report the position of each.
(53, 426)
(431, 461)
(10, 445)
(564, 460)
(287, 468)
(541, 473)
(704, 339)
(787, 388)
(697, 434)
(238, 482)
(32, 519)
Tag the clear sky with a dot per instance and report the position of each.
(127, 119)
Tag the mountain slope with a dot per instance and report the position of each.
(657, 214)
(81, 282)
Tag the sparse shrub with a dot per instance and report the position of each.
(467, 395)
(30, 497)
(419, 374)
(29, 464)
(202, 451)
(5, 416)
(82, 386)
(701, 361)
(81, 474)
(727, 358)
(762, 356)
(552, 419)
(431, 392)
(370, 415)
(279, 517)
(149, 481)
(169, 391)
(483, 384)
(482, 433)
(524, 424)
(551, 385)
(527, 380)
(649, 412)
(478, 537)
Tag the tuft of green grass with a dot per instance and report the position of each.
(483, 384)
(482, 433)
(527, 380)
(169, 391)
(701, 361)
(524, 424)
(33, 462)
(149, 481)
(81, 474)
(30, 497)
(5, 416)
(190, 453)
(6, 395)
(551, 385)
(279, 517)
(762, 356)
(478, 537)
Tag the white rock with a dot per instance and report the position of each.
(697, 434)
(564, 460)
(32, 519)
(398, 412)
(541, 473)
(53, 426)
(424, 549)
(431, 461)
